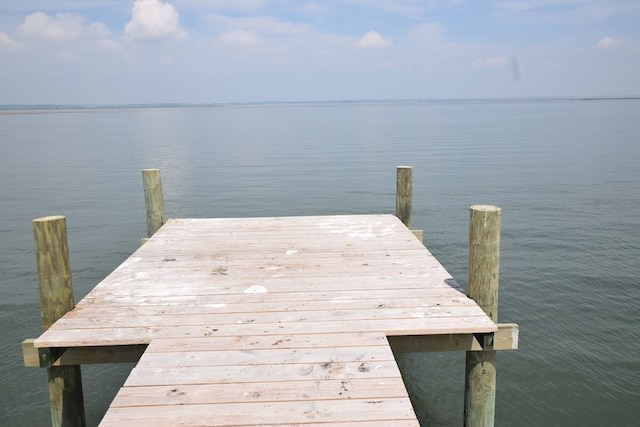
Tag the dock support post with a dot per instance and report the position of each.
(404, 193)
(483, 275)
(56, 298)
(153, 200)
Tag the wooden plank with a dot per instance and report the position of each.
(47, 357)
(219, 253)
(324, 412)
(100, 354)
(506, 338)
(124, 336)
(250, 290)
(258, 342)
(211, 275)
(337, 224)
(199, 394)
(132, 353)
(270, 317)
(303, 265)
(243, 356)
(143, 376)
(378, 423)
(233, 306)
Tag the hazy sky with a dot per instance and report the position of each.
(124, 51)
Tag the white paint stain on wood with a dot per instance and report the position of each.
(256, 289)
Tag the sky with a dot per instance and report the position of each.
(201, 51)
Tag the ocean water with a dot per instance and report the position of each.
(566, 174)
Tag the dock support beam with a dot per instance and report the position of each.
(153, 200)
(483, 275)
(56, 298)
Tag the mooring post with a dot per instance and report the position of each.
(153, 200)
(404, 192)
(56, 298)
(483, 275)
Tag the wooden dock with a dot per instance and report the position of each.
(270, 321)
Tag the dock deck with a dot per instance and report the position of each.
(269, 321)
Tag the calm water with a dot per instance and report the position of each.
(566, 174)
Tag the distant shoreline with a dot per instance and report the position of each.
(291, 103)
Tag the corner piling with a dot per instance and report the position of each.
(56, 298)
(483, 275)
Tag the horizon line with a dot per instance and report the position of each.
(312, 102)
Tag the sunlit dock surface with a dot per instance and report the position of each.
(269, 321)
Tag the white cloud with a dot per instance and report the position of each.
(226, 5)
(108, 44)
(553, 65)
(59, 27)
(427, 33)
(261, 24)
(65, 55)
(240, 38)
(564, 11)
(410, 8)
(608, 42)
(373, 40)
(99, 29)
(494, 61)
(7, 43)
(62, 26)
(153, 19)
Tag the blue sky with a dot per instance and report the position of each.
(145, 51)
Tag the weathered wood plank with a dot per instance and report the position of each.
(124, 336)
(378, 423)
(142, 376)
(269, 269)
(336, 224)
(199, 394)
(238, 357)
(324, 412)
(505, 338)
(47, 357)
(279, 289)
(336, 313)
(258, 342)
(230, 305)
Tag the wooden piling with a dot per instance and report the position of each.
(56, 298)
(153, 200)
(404, 192)
(483, 275)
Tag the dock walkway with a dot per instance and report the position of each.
(269, 321)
